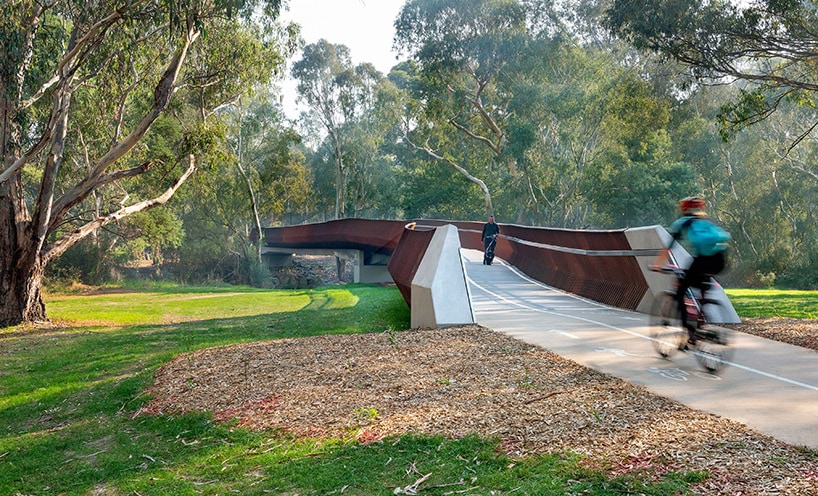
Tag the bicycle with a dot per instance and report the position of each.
(488, 256)
(712, 348)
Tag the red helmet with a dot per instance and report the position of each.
(691, 203)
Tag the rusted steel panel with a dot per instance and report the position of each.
(406, 259)
(369, 236)
(613, 280)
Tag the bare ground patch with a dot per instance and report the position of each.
(467, 380)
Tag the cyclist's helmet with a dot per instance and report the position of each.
(690, 204)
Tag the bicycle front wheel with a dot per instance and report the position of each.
(666, 329)
(714, 350)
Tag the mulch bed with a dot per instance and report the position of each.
(802, 333)
(465, 380)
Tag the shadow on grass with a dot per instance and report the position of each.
(62, 392)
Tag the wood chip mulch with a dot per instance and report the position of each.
(465, 380)
(799, 332)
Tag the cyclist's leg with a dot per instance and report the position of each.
(695, 277)
(710, 266)
(681, 290)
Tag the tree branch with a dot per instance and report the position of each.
(494, 147)
(61, 245)
(43, 89)
(800, 138)
(42, 213)
(458, 168)
(162, 94)
(478, 104)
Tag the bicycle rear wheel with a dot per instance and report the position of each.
(665, 325)
(713, 346)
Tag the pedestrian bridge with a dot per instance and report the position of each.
(582, 295)
(424, 259)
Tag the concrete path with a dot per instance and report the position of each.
(769, 386)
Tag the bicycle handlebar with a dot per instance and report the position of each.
(668, 269)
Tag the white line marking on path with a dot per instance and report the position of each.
(566, 334)
(517, 272)
(618, 352)
(632, 333)
(678, 374)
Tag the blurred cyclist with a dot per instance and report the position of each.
(708, 245)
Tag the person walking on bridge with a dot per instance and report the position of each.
(489, 238)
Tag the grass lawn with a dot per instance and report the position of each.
(754, 303)
(68, 395)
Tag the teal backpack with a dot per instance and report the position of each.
(706, 237)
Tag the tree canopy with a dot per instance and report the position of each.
(574, 113)
(770, 44)
(82, 85)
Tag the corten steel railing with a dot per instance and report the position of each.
(369, 236)
(599, 265)
(597, 268)
(407, 257)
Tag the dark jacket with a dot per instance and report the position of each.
(489, 229)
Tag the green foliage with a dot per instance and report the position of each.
(84, 262)
(759, 42)
(250, 149)
(630, 194)
(149, 234)
(433, 190)
(365, 415)
(255, 273)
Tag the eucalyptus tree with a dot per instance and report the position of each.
(770, 44)
(89, 79)
(768, 201)
(263, 149)
(337, 93)
(256, 175)
(465, 51)
(373, 185)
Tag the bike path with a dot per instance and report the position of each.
(769, 386)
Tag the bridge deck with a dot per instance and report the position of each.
(769, 386)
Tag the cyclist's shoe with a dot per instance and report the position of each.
(691, 337)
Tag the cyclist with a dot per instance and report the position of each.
(708, 244)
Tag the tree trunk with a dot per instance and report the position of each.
(340, 180)
(21, 278)
(20, 270)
